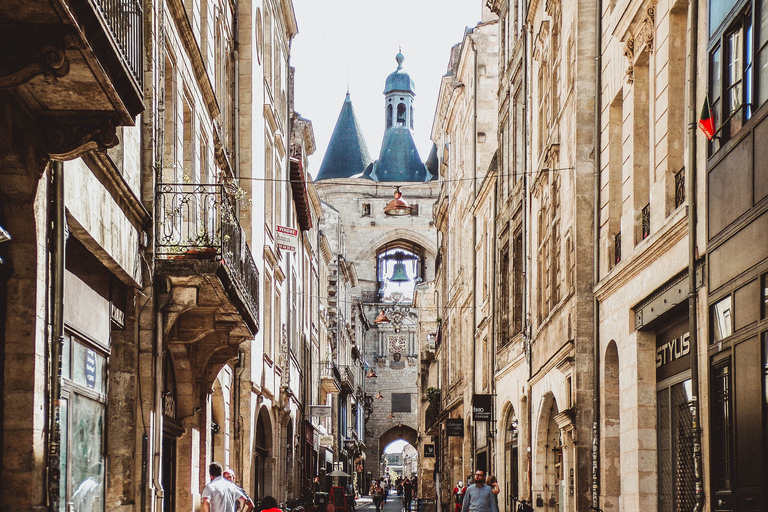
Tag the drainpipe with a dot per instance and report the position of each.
(158, 420)
(690, 195)
(58, 243)
(236, 58)
(473, 439)
(527, 331)
(492, 430)
(596, 265)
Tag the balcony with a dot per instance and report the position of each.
(199, 243)
(348, 379)
(330, 378)
(76, 65)
(432, 414)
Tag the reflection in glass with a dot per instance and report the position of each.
(721, 320)
(86, 462)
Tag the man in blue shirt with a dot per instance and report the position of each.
(479, 497)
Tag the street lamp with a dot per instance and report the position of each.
(398, 206)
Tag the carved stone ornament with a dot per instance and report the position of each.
(647, 27)
(47, 59)
(67, 141)
(629, 53)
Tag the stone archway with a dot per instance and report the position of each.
(263, 456)
(403, 432)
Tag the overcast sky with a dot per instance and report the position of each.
(352, 44)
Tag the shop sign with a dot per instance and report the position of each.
(325, 441)
(349, 445)
(429, 450)
(286, 239)
(482, 407)
(116, 315)
(454, 427)
(673, 350)
(320, 411)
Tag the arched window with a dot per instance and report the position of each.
(400, 114)
(389, 116)
(399, 270)
(511, 459)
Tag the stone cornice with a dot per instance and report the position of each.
(656, 245)
(107, 173)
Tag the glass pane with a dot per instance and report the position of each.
(721, 319)
(64, 453)
(66, 363)
(88, 367)
(748, 71)
(664, 452)
(734, 71)
(715, 77)
(762, 79)
(721, 428)
(683, 445)
(718, 10)
(763, 35)
(87, 461)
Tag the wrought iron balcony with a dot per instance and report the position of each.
(77, 65)
(330, 378)
(348, 378)
(199, 222)
(679, 187)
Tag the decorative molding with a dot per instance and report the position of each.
(629, 53)
(49, 60)
(647, 28)
(70, 140)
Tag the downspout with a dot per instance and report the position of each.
(473, 439)
(236, 57)
(596, 263)
(690, 194)
(158, 420)
(492, 425)
(58, 257)
(527, 330)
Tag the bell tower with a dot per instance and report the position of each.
(398, 97)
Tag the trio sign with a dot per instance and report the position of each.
(482, 407)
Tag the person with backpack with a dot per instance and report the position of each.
(458, 495)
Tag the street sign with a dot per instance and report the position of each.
(454, 427)
(429, 450)
(482, 407)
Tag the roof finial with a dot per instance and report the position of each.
(399, 58)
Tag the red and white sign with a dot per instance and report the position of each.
(286, 239)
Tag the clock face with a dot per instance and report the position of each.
(397, 343)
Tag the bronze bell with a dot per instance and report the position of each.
(398, 274)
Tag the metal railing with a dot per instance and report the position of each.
(197, 221)
(329, 370)
(124, 19)
(617, 248)
(349, 376)
(679, 187)
(646, 221)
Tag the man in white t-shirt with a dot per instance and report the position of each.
(221, 495)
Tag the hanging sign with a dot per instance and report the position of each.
(325, 441)
(429, 450)
(286, 239)
(482, 406)
(454, 427)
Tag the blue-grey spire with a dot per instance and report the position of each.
(347, 153)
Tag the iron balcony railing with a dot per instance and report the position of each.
(679, 187)
(349, 376)
(124, 19)
(329, 370)
(198, 221)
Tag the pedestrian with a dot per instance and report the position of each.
(377, 493)
(229, 474)
(458, 495)
(494, 483)
(221, 495)
(269, 504)
(316, 488)
(479, 497)
(407, 494)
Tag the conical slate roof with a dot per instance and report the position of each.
(347, 152)
(399, 159)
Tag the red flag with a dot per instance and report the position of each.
(706, 121)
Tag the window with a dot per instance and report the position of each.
(721, 426)
(389, 116)
(414, 210)
(366, 210)
(735, 90)
(400, 114)
(722, 325)
(83, 407)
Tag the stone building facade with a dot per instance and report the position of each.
(351, 182)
